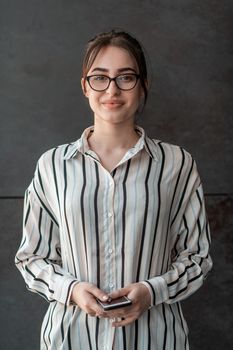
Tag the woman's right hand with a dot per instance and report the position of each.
(84, 294)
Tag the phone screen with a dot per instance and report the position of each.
(115, 303)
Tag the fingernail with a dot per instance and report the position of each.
(105, 297)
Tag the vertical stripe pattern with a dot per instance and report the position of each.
(144, 221)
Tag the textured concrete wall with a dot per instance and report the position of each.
(190, 104)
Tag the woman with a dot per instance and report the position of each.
(115, 214)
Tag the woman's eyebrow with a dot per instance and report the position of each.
(120, 70)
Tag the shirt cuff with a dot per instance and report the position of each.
(69, 300)
(151, 293)
(63, 288)
(159, 290)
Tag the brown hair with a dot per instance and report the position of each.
(119, 39)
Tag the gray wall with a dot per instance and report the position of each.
(190, 104)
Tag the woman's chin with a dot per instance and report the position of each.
(113, 118)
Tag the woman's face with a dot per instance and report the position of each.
(114, 105)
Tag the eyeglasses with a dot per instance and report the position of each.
(123, 82)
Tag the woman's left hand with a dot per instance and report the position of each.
(141, 301)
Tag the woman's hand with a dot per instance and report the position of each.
(84, 294)
(141, 301)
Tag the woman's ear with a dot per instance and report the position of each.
(83, 84)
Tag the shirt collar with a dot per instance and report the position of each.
(82, 146)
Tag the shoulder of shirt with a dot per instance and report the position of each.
(57, 153)
(166, 149)
(170, 154)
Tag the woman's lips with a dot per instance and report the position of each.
(112, 104)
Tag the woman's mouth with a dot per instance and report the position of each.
(112, 104)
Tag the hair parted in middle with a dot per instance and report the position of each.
(119, 39)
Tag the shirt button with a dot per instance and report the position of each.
(110, 251)
(110, 214)
(111, 285)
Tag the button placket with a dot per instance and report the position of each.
(111, 234)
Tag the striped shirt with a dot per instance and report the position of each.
(144, 221)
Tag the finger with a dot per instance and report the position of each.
(119, 293)
(98, 293)
(89, 304)
(126, 311)
(96, 308)
(123, 322)
(99, 311)
(93, 308)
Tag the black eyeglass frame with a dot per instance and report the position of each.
(112, 79)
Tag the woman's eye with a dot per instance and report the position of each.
(126, 78)
(99, 78)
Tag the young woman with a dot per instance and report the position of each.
(115, 214)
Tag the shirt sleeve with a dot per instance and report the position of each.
(190, 259)
(39, 255)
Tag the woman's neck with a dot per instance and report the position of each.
(109, 137)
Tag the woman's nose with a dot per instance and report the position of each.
(113, 89)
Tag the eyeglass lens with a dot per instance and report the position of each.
(123, 82)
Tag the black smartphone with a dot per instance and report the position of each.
(115, 303)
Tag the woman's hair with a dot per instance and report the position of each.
(119, 39)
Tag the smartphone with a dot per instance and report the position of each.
(115, 303)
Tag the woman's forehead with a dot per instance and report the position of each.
(114, 58)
